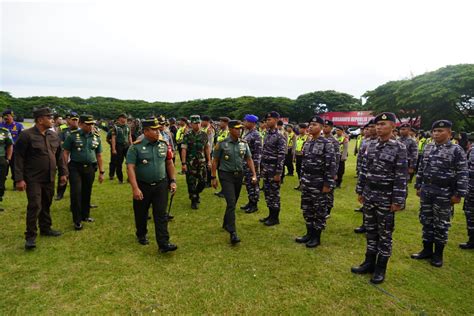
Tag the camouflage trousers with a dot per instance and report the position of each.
(379, 223)
(253, 190)
(435, 216)
(469, 212)
(329, 199)
(314, 206)
(196, 181)
(271, 189)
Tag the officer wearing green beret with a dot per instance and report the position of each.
(229, 156)
(151, 173)
(83, 150)
(6, 151)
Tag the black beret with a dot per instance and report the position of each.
(303, 125)
(273, 114)
(7, 112)
(184, 119)
(224, 119)
(405, 125)
(371, 122)
(385, 116)
(317, 119)
(329, 123)
(235, 124)
(42, 112)
(206, 118)
(172, 120)
(86, 118)
(442, 124)
(339, 128)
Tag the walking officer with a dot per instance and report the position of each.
(6, 152)
(273, 159)
(441, 182)
(151, 174)
(469, 204)
(382, 191)
(317, 180)
(38, 154)
(254, 141)
(196, 156)
(120, 140)
(229, 156)
(83, 150)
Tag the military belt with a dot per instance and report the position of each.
(152, 184)
(380, 187)
(269, 160)
(234, 173)
(83, 165)
(442, 183)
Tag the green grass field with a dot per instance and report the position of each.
(103, 270)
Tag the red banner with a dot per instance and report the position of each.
(355, 118)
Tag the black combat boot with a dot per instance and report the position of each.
(245, 207)
(315, 239)
(252, 208)
(305, 238)
(380, 268)
(469, 244)
(273, 218)
(437, 258)
(368, 266)
(194, 204)
(426, 253)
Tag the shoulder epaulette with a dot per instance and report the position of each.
(75, 131)
(139, 141)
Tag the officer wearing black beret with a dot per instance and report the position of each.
(83, 150)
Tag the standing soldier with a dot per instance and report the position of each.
(211, 133)
(412, 148)
(38, 154)
(83, 150)
(327, 133)
(343, 149)
(441, 182)
(300, 141)
(469, 204)
(222, 134)
(273, 158)
(382, 191)
(15, 129)
(121, 139)
(229, 158)
(254, 141)
(195, 152)
(183, 129)
(72, 120)
(151, 173)
(290, 151)
(6, 151)
(317, 179)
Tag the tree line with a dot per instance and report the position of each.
(447, 93)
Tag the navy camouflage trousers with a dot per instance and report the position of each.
(271, 189)
(435, 216)
(469, 212)
(313, 205)
(379, 223)
(253, 190)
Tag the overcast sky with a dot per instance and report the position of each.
(182, 50)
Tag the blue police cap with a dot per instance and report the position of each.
(251, 118)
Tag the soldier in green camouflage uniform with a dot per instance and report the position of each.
(195, 151)
(6, 151)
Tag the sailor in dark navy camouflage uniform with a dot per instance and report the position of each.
(318, 171)
(254, 141)
(469, 204)
(382, 191)
(327, 133)
(273, 158)
(441, 182)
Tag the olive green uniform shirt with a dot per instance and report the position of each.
(149, 160)
(121, 133)
(83, 147)
(231, 154)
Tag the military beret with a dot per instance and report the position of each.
(206, 118)
(56, 115)
(371, 122)
(122, 115)
(316, 119)
(251, 118)
(184, 119)
(385, 116)
(442, 124)
(172, 120)
(42, 112)
(273, 114)
(87, 119)
(151, 122)
(339, 128)
(329, 123)
(289, 125)
(405, 125)
(195, 119)
(224, 119)
(303, 125)
(235, 124)
(7, 112)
